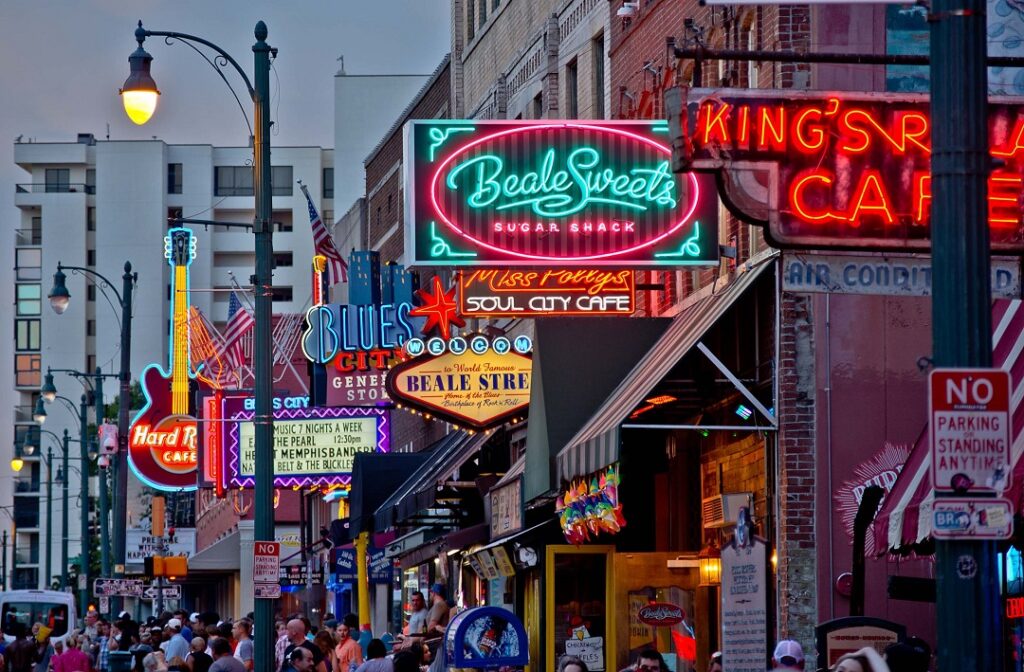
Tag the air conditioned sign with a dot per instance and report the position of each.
(545, 292)
(850, 171)
(553, 192)
(468, 389)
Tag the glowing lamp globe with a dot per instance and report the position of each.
(59, 295)
(17, 463)
(139, 93)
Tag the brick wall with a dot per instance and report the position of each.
(384, 193)
(742, 470)
(797, 570)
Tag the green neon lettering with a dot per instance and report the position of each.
(551, 192)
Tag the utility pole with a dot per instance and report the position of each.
(967, 580)
(83, 557)
(64, 514)
(47, 583)
(101, 411)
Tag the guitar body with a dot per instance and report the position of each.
(162, 442)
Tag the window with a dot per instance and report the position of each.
(26, 335)
(233, 181)
(29, 299)
(90, 327)
(598, 51)
(26, 370)
(494, 6)
(173, 178)
(28, 613)
(58, 180)
(90, 362)
(90, 219)
(282, 259)
(328, 180)
(281, 180)
(470, 20)
(28, 263)
(35, 234)
(389, 204)
(538, 106)
(90, 292)
(282, 294)
(572, 102)
(90, 257)
(90, 180)
(483, 12)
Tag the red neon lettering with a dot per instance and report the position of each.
(1004, 192)
(799, 202)
(919, 123)
(743, 130)
(1018, 142)
(714, 123)
(922, 197)
(817, 139)
(777, 126)
(847, 126)
(870, 196)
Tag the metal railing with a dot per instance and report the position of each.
(54, 188)
(33, 236)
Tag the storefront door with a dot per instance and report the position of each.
(580, 609)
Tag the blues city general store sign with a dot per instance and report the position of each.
(553, 192)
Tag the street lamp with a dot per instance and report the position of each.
(140, 83)
(48, 391)
(59, 295)
(39, 414)
(139, 93)
(60, 298)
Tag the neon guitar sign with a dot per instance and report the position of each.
(163, 439)
(582, 193)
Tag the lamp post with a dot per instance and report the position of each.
(139, 95)
(60, 297)
(62, 479)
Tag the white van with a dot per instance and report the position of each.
(53, 608)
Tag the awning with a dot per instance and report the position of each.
(374, 477)
(905, 518)
(596, 445)
(514, 472)
(223, 555)
(418, 490)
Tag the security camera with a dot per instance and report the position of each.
(628, 10)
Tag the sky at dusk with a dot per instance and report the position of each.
(64, 60)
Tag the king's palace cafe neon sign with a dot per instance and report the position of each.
(851, 171)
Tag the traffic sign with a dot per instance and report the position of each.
(266, 561)
(972, 518)
(266, 591)
(970, 429)
(169, 592)
(117, 587)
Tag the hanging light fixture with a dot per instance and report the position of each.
(710, 563)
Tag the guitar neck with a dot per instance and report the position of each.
(179, 342)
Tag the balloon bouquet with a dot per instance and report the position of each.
(591, 506)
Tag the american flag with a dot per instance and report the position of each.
(240, 324)
(323, 244)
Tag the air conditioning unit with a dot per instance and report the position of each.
(723, 510)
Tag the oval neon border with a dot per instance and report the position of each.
(695, 192)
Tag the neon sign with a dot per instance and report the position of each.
(163, 439)
(849, 172)
(312, 446)
(565, 192)
(340, 328)
(470, 389)
(545, 292)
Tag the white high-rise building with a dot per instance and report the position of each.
(97, 204)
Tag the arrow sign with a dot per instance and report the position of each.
(169, 592)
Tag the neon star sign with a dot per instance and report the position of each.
(584, 193)
(850, 171)
(440, 309)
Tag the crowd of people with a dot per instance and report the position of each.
(913, 655)
(181, 642)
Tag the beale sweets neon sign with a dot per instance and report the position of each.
(851, 171)
(553, 192)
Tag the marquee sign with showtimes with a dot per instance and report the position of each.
(563, 193)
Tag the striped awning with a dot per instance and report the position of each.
(596, 445)
(905, 518)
